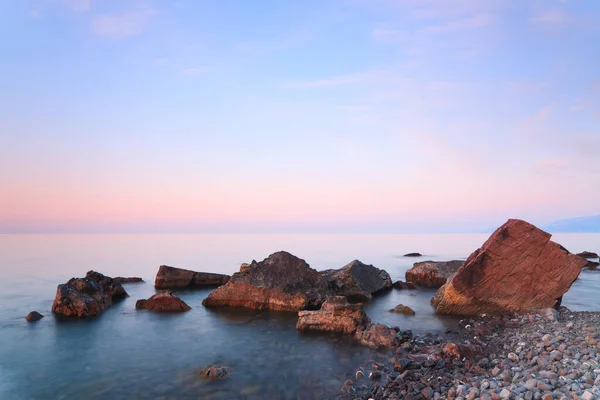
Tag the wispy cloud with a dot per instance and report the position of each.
(388, 35)
(531, 125)
(340, 80)
(75, 5)
(194, 71)
(477, 21)
(117, 26)
(551, 17)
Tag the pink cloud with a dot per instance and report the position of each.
(531, 125)
(552, 17)
(340, 80)
(477, 21)
(117, 26)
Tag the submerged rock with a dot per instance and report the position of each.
(163, 301)
(34, 316)
(517, 268)
(171, 277)
(432, 274)
(86, 297)
(357, 281)
(336, 315)
(214, 371)
(282, 281)
(404, 285)
(402, 309)
(592, 265)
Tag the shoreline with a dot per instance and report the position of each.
(547, 355)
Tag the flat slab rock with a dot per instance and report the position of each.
(517, 268)
(336, 315)
(432, 274)
(86, 297)
(357, 281)
(172, 277)
(281, 281)
(588, 254)
(163, 301)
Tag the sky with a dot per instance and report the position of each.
(204, 116)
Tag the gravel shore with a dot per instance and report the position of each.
(551, 355)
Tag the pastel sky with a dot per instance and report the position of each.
(297, 116)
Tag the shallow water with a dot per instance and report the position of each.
(129, 354)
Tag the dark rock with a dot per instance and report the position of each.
(462, 351)
(357, 281)
(171, 277)
(413, 255)
(592, 265)
(213, 372)
(163, 301)
(402, 309)
(280, 282)
(85, 297)
(34, 316)
(588, 254)
(122, 280)
(404, 285)
(517, 268)
(432, 274)
(336, 315)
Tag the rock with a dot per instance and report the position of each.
(171, 277)
(163, 301)
(458, 351)
(588, 254)
(357, 281)
(505, 394)
(432, 274)
(34, 316)
(280, 282)
(214, 371)
(378, 335)
(402, 309)
(86, 297)
(413, 255)
(121, 279)
(404, 285)
(592, 265)
(336, 315)
(517, 268)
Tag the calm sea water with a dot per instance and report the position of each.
(125, 354)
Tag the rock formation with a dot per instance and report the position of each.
(163, 301)
(280, 282)
(171, 277)
(86, 297)
(34, 316)
(432, 274)
(517, 268)
(336, 315)
(121, 279)
(587, 254)
(413, 255)
(402, 309)
(404, 285)
(357, 281)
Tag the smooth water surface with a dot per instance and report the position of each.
(126, 354)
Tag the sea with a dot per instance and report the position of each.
(129, 354)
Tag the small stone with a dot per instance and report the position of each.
(587, 396)
(513, 357)
(531, 384)
(359, 375)
(34, 316)
(505, 394)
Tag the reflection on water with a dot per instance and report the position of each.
(137, 354)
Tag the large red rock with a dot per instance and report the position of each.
(432, 274)
(357, 281)
(163, 301)
(280, 282)
(171, 277)
(517, 268)
(86, 297)
(336, 315)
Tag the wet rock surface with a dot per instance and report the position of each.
(282, 282)
(163, 301)
(357, 281)
(214, 371)
(336, 315)
(34, 316)
(517, 268)
(432, 274)
(491, 357)
(404, 285)
(402, 309)
(86, 297)
(171, 277)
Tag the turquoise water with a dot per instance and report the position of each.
(126, 354)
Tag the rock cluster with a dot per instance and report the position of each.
(432, 274)
(163, 301)
(357, 281)
(282, 281)
(86, 297)
(517, 268)
(171, 277)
